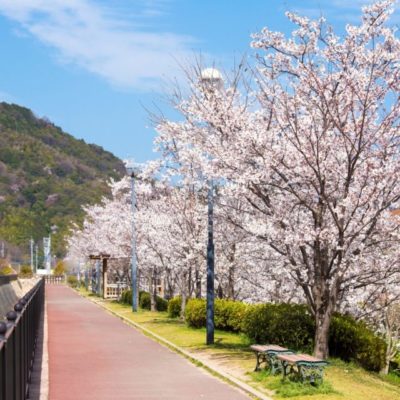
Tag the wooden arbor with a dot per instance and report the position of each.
(103, 258)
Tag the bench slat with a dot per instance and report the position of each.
(267, 347)
(295, 358)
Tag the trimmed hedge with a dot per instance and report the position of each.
(228, 314)
(174, 307)
(25, 272)
(353, 340)
(72, 281)
(292, 326)
(195, 313)
(7, 270)
(126, 297)
(144, 300)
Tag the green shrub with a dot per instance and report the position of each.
(126, 297)
(72, 281)
(144, 300)
(229, 314)
(60, 268)
(161, 304)
(174, 307)
(294, 326)
(26, 272)
(7, 270)
(352, 340)
(195, 313)
(289, 325)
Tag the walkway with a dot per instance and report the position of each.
(95, 356)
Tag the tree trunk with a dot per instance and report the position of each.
(385, 369)
(324, 307)
(153, 292)
(183, 295)
(220, 292)
(390, 345)
(190, 283)
(322, 323)
(324, 294)
(169, 287)
(198, 284)
(231, 283)
(231, 274)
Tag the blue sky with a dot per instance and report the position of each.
(94, 67)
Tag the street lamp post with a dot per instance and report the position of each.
(212, 80)
(31, 247)
(36, 258)
(131, 172)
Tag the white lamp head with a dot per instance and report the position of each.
(212, 77)
(132, 168)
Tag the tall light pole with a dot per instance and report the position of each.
(211, 78)
(36, 258)
(130, 169)
(31, 245)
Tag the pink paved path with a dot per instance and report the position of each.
(94, 355)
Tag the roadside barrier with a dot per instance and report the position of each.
(18, 339)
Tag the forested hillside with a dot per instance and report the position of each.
(46, 175)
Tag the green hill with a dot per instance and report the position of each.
(46, 175)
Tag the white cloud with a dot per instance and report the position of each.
(124, 51)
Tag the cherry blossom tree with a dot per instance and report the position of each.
(314, 152)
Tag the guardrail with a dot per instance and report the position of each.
(4, 279)
(54, 279)
(114, 290)
(18, 338)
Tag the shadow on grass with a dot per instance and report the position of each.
(221, 345)
(289, 388)
(169, 321)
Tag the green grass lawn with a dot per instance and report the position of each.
(231, 353)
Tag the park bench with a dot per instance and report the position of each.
(267, 354)
(303, 367)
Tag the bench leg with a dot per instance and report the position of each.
(313, 374)
(257, 368)
(275, 365)
(285, 371)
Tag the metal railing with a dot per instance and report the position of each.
(55, 279)
(114, 290)
(18, 339)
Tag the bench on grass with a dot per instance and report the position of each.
(267, 354)
(303, 367)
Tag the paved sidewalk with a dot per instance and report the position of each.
(95, 356)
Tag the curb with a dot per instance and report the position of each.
(221, 374)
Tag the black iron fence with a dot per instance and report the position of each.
(18, 338)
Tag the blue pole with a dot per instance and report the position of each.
(86, 278)
(210, 266)
(133, 255)
(98, 277)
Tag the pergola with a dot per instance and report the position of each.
(103, 258)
